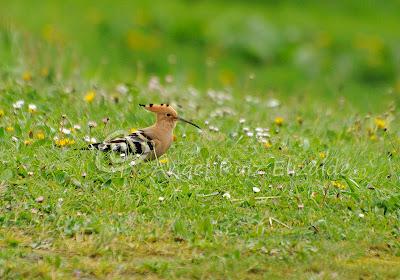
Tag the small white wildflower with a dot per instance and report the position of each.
(361, 215)
(154, 84)
(161, 198)
(121, 88)
(256, 190)
(206, 122)
(169, 79)
(32, 108)
(242, 120)
(291, 172)
(213, 128)
(90, 140)
(132, 163)
(261, 172)
(15, 139)
(262, 140)
(193, 91)
(250, 134)
(92, 124)
(273, 103)
(68, 89)
(30, 173)
(77, 127)
(251, 99)
(226, 195)
(246, 129)
(122, 155)
(224, 162)
(19, 104)
(65, 131)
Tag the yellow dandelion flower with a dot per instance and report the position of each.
(27, 142)
(90, 95)
(163, 161)
(9, 129)
(322, 155)
(40, 135)
(279, 121)
(2, 113)
(267, 145)
(27, 76)
(64, 142)
(133, 130)
(338, 185)
(380, 123)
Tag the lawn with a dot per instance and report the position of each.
(295, 173)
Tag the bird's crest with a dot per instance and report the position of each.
(160, 108)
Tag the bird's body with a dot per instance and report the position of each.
(148, 143)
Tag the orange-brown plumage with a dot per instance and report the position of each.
(150, 142)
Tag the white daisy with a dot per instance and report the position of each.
(121, 88)
(65, 131)
(227, 195)
(32, 108)
(19, 104)
(256, 190)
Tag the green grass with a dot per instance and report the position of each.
(328, 205)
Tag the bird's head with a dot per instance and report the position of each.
(166, 115)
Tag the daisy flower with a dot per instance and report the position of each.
(32, 108)
(19, 104)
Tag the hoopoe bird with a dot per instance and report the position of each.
(148, 143)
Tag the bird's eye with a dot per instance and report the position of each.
(168, 115)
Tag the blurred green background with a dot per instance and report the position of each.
(319, 48)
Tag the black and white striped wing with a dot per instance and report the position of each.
(137, 143)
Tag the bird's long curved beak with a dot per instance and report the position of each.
(182, 119)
